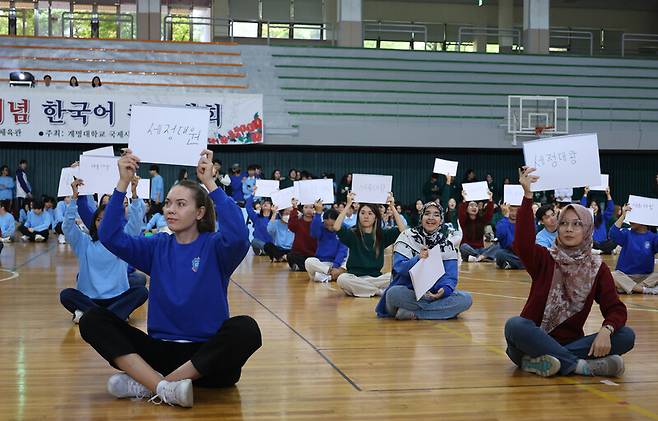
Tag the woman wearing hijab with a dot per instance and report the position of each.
(548, 337)
(442, 301)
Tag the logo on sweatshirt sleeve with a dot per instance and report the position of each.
(195, 264)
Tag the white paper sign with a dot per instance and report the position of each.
(312, 190)
(563, 195)
(442, 166)
(99, 173)
(645, 210)
(426, 272)
(144, 188)
(106, 151)
(66, 177)
(605, 182)
(168, 135)
(282, 199)
(370, 188)
(513, 194)
(265, 188)
(476, 191)
(564, 161)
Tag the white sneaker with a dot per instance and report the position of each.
(321, 277)
(39, 238)
(175, 393)
(6, 239)
(122, 385)
(77, 316)
(617, 250)
(472, 259)
(596, 251)
(25, 238)
(61, 239)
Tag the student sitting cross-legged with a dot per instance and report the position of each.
(304, 244)
(366, 243)
(635, 266)
(37, 225)
(191, 336)
(282, 237)
(331, 255)
(260, 221)
(506, 258)
(443, 300)
(548, 337)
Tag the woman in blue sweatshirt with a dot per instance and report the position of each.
(37, 225)
(102, 279)
(191, 336)
(282, 237)
(260, 221)
(330, 259)
(602, 244)
(634, 271)
(443, 300)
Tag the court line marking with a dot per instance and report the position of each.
(48, 250)
(309, 343)
(12, 275)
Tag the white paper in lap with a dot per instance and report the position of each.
(442, 166)
(312, 190)
(106, 151)
(476, 191)
(168, 135)
(564, 161)
(265, 188)
(426, 272)
(513, 194)
(144, 188)
(99, 173)
(282, 199)
(605, 182)
(370, 188)
(645, 210)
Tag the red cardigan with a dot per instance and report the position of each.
(540, 265)
(473, 229)
(303, 243)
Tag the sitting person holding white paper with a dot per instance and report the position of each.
(635, 266)
(304, 245)
(442, 300)
(282, 237)
(260, 220)
(548, 338)
(331, 255)
(473, 223)
(366, 243)
(602, 243)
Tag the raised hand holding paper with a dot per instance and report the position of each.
(426, 272)
(66, 177)
(644, 210)
(513, 194)
(476, 191)
(605, 183)
(167, 134)
(310, 191)
(564, 161)
(100, 173)
(265, 188)
(370, 188)
(442, 166)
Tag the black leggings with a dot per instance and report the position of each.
(606, 246)
(297, 259)
(219, 360)
(33, 234)
(275, 252)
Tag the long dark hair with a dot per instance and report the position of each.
(93, 231)
(201, 198)
(2, 168)
(377, 227)
(598, 219)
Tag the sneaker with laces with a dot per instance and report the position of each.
(6, 239)
(61, 239)
(25, 238)
(174, 393)
(610, 366)
(321, 277)
(39, 238)
(544, 365)
(652, 291)
(122, 385)
(472, 259)
(77, 316)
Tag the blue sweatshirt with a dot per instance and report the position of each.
(7, 225)
(248, 187)
(101, 274)
(545, 238)
(600, 233)
(38, 222)
(157, 220)
(505, 233)
(6, 192)
(637, 250)
(236, 187)
(22, 216)
(157, 188)
(330, 249)
(401, 276)
(188, 291)
(280, 234)
(60, 211)
(260, 222)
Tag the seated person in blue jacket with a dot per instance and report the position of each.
(602, 243)
(260, 218)
(330, 259)
(191, 337)
(635, 266)
(443, 300)
(37, 225)
(505, 257)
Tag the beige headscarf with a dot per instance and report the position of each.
(574, 274)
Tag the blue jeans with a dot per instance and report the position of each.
(400, 296)
(505, 257)
(258, 246)
(121, 305)
(488, 252)
(525, 338)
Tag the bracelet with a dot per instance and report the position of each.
(610, 328)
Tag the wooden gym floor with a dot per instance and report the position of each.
(325, 356)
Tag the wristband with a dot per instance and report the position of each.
(610, 328)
